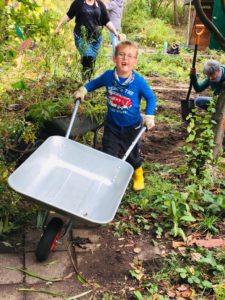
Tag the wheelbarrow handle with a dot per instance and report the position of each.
(134, 143)
(76, 106)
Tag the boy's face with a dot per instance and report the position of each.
(125, 60)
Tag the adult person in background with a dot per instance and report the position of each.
(215, 75)
(115, 10)
(90, 17)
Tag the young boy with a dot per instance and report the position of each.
(124, 89)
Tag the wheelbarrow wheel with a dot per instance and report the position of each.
(48, 240)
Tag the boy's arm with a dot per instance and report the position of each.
(150, 98)
(89, 87)
(96, 83)
(149, 118)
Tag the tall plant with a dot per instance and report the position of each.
(200, 143)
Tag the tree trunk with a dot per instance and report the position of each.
(175, 13)
(208, 24)
(219, 128)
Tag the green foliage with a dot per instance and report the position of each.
(143, 25)
(193, 276)
(220, 291)
(45, 111)
(12, 212)
(121, 228)
(209, 224)
(19, 85)
(199, 268)
(159, 64)
(175, 209)
(199, 148)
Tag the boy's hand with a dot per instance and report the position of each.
(80, 93)
(149, 121)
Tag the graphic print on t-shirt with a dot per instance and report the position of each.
(119, 101)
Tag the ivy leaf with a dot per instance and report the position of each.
(19, 85)
(188, 218)
(207, 284)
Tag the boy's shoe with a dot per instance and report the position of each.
(138, 180)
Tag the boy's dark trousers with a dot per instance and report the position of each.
(116, 141)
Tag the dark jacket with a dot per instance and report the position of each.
(88, 18)
(215, 86)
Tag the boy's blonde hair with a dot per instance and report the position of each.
(125, 44)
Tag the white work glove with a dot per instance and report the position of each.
(149, 121)
(80, 94)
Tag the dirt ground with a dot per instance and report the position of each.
(110, 264)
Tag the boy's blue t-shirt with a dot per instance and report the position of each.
(123, 102)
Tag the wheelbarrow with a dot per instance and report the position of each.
(74, 180)
(188, 104)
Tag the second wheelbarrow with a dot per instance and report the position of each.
(74, 180)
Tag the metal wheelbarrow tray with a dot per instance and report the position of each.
(74, 179)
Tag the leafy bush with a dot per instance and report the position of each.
(141, 27)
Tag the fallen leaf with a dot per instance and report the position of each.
(177, 244)
(129, 245)
(171, 294)
(147, 216)
(212, 243)
(182, 288)
(69, 275)
(186, 294)
(137, 250)
(182, 250)
(25, 45)
(133, 206)
(196, 256)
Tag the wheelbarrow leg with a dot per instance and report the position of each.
(96, 130)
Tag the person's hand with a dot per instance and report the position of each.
(193, 71)
(149, 121)
(122, 37)
(57, 31)
(80, 94)
(118, 36)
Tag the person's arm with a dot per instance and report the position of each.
(111, 6)
(64, 20)
(198, 86)
(72, 12)
(111, 28)
(106, 21)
